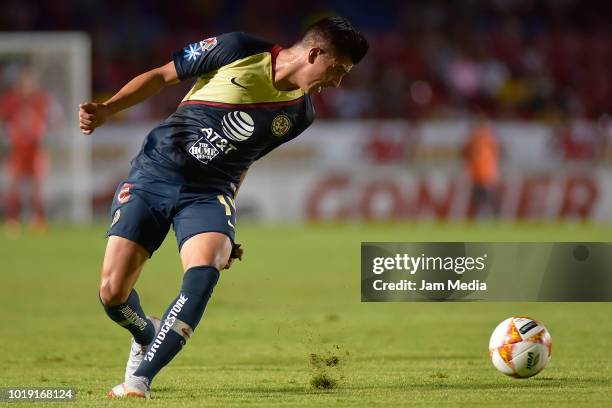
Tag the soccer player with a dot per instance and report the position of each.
(27, 112)
(250, 96)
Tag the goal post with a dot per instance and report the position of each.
(63, 64)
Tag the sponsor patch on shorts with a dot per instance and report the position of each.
(124, 193)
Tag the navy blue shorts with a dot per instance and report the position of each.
(144, 208)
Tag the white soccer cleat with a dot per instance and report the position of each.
(137, 352)
(136, 387)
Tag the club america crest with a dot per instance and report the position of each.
(281, 125)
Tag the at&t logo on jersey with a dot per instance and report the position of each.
(238, 126)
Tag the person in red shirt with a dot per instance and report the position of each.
(24, 112)
(481, 154)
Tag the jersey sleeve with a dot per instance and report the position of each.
(212, 53)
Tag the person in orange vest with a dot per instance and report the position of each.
(25, 110)
(481, 154)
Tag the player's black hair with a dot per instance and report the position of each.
(340, 34)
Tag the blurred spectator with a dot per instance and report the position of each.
(481, 154)
(25, 111)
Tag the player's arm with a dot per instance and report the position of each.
(93, 115)
(189, 62)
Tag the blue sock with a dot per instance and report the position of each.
(179, 321)
(131, 316)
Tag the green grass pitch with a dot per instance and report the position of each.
(279, 318)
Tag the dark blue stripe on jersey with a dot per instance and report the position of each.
(194, 60)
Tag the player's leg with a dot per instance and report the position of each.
(123, 262)
(139, 226)
(210, 248)
(203, 255)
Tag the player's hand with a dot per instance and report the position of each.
(92, 115)
(237, 253)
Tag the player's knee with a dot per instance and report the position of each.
(221, 260)
(112, 295)
(216, 261)
(223, 255)
(206, 252)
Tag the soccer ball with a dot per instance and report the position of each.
(520, 347)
